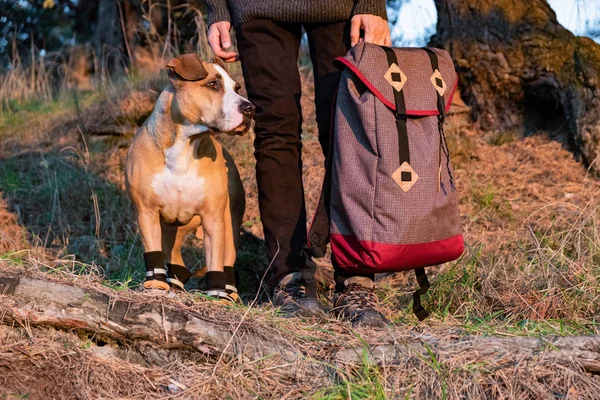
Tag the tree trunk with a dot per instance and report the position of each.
(115, 37)
(520, 70)
(109, 35)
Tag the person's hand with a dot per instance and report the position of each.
(376, 30)
(220, 40)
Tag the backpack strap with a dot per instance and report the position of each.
(317, 236)
(418, 309)
(401, 117)
(435, 66)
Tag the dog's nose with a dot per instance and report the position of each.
(247, 108)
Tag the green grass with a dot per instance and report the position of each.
(16, 115)
(364, 382)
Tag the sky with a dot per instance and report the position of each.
(418, 17)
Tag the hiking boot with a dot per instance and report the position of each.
(290, 296)
(358, 303)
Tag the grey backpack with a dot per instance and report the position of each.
(389, 200)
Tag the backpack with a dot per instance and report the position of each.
(389, 200)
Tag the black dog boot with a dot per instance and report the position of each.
(156, 274)
(221, 286)
(177, 276)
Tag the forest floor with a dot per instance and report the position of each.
(516, 317)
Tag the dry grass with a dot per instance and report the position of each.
(45, 363)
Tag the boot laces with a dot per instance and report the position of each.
(359, 297)
(292, 291)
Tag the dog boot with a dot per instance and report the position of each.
(219, 288)
(177, 276)
(156, 274)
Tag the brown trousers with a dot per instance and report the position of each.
(269, 55)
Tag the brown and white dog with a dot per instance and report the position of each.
(180, 178)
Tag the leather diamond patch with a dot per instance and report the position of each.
(405, 177)
(395, 77)
(438, 82)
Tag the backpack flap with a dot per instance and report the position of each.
(369, 63)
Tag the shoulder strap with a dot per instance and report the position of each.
(317, 236)
(403, 148)
(418, 309)
(435, 66)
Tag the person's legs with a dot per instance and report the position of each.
(355, 298)
(327, 42)
(269, 54)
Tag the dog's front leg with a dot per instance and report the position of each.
(214, 247)
(156, 274)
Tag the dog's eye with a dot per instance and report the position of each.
(214, 85)
(237, 87)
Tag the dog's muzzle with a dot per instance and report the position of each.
(248, 110)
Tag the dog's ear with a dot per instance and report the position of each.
(219, 61)
(188, 67)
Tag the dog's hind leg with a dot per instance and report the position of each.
(154, 258)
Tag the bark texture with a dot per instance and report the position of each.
(520, 70)
(155, 328)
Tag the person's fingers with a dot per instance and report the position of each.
(355, 25)
(219, 39)
(214, 41)
(383, 33)
(233, 57)
(369, 35)
(373, 32)
(225, 38)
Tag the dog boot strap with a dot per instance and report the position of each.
(218, 287)
(230, 272)
(178, 275)
(155, 266)
(216, 280)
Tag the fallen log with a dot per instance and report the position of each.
(30, 302)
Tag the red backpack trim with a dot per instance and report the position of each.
(365, 256)
(389, 104)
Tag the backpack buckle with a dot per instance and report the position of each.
(402, 117)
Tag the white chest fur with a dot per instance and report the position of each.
(179, 187)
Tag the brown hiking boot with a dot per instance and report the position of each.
(358, 303)
(290, 296)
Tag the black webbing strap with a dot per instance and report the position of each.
(401, 117)
(317, 236)
(418, 309)
(435, 65)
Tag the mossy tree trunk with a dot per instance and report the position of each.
(520, 70)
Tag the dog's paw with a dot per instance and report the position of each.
(155, 284)
(229, 295)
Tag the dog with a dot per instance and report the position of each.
(180, 178)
